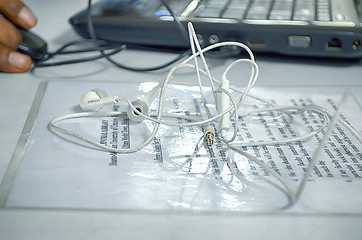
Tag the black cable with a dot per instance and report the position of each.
(103, 46)
(78, 60)
(149, 69)
(123, 66)
(60, 51)
(181, 28)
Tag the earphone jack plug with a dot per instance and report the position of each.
(209, 135)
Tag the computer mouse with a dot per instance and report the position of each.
(33, 45)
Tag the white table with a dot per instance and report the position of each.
(18, 91)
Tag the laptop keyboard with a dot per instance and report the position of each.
(298, 10)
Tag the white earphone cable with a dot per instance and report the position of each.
(291, 111)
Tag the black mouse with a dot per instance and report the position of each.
(33, 45)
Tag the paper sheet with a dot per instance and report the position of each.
(177, 171)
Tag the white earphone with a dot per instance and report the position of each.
(96, 98)
(138, 110)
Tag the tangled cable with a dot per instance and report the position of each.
(227, 107)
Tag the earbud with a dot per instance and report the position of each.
(142, 105)
(94, 100)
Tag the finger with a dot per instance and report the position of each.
(13, 62)
(18, 13)
(9, 36)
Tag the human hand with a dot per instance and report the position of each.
(14, 13)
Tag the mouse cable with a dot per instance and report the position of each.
(45, 63)
(102, 46)
(93, 36)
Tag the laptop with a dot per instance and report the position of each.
(311, 28)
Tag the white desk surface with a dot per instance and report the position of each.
(18, 91)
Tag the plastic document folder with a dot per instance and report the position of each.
(177, 171)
